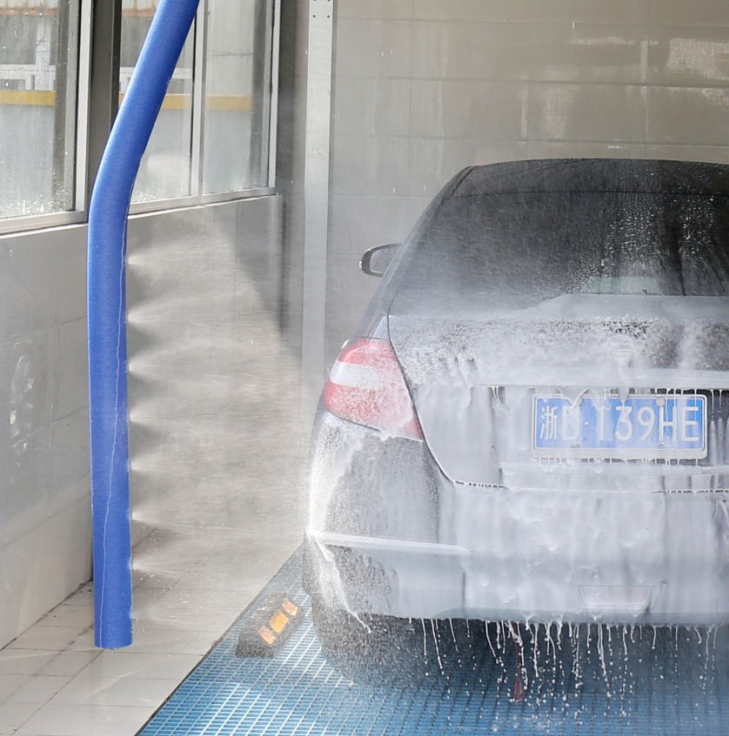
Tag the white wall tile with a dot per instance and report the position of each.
(24, 493)
(688, 116)
(629, 12)
(572, 149)
(565, 52)
(57, 637)
(493, 81)
(710, 154)
(469, 110)
(473, 10)
(688, 56)
(42, 357)
(87, 689)
(477, 51)
(696, 12)
(41, 566)
(24, 661)
(117, 664)
(40, 689)
(370, 106)
(371, 165)
(153, 639)
(79, 616)
(10, 683)
(13, 715)
(70, 465)
(70, 376)
(571, 112)
(369, 48)
(435, 160)
(390, 9)
(69, 663)
(86, 720)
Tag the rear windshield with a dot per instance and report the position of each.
(516, 248)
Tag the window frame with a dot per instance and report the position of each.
(82, 30)
(97, 96)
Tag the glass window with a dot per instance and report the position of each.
(215, 139)
(167, 163)
(237, 95)
(38, 83)
(520, 233)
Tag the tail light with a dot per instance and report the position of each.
(366, 386)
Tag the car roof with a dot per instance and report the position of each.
(596, 175)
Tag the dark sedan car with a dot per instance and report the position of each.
(531, 422)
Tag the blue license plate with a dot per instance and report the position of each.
(641, 427)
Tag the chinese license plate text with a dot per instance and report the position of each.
(655, 426)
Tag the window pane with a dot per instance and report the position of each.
(38, 73)
(237, 95)
(165, 169)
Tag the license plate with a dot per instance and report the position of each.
(648, 427)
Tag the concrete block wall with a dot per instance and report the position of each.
(423, 88)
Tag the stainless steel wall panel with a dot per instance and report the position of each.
(317, 188)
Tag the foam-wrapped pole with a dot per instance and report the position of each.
(106, 298)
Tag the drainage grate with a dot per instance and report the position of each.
(635, 683)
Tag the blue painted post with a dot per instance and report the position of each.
(106, 298)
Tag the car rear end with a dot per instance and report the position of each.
(567, 404)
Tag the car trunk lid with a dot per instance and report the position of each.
(473, 375)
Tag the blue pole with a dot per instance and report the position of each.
(106, 298)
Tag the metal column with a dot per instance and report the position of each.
(316, 191)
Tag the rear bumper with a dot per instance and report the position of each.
(418, 580)
(388, 534)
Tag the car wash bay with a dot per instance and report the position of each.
(238, 302)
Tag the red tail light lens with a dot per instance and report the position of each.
(366, 386)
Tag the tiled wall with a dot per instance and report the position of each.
(45, 532)
(213, 272)
(45, 524)
(425, 87)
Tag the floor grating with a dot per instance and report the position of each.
(616, 682)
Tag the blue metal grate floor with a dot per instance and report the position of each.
(636, 683)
